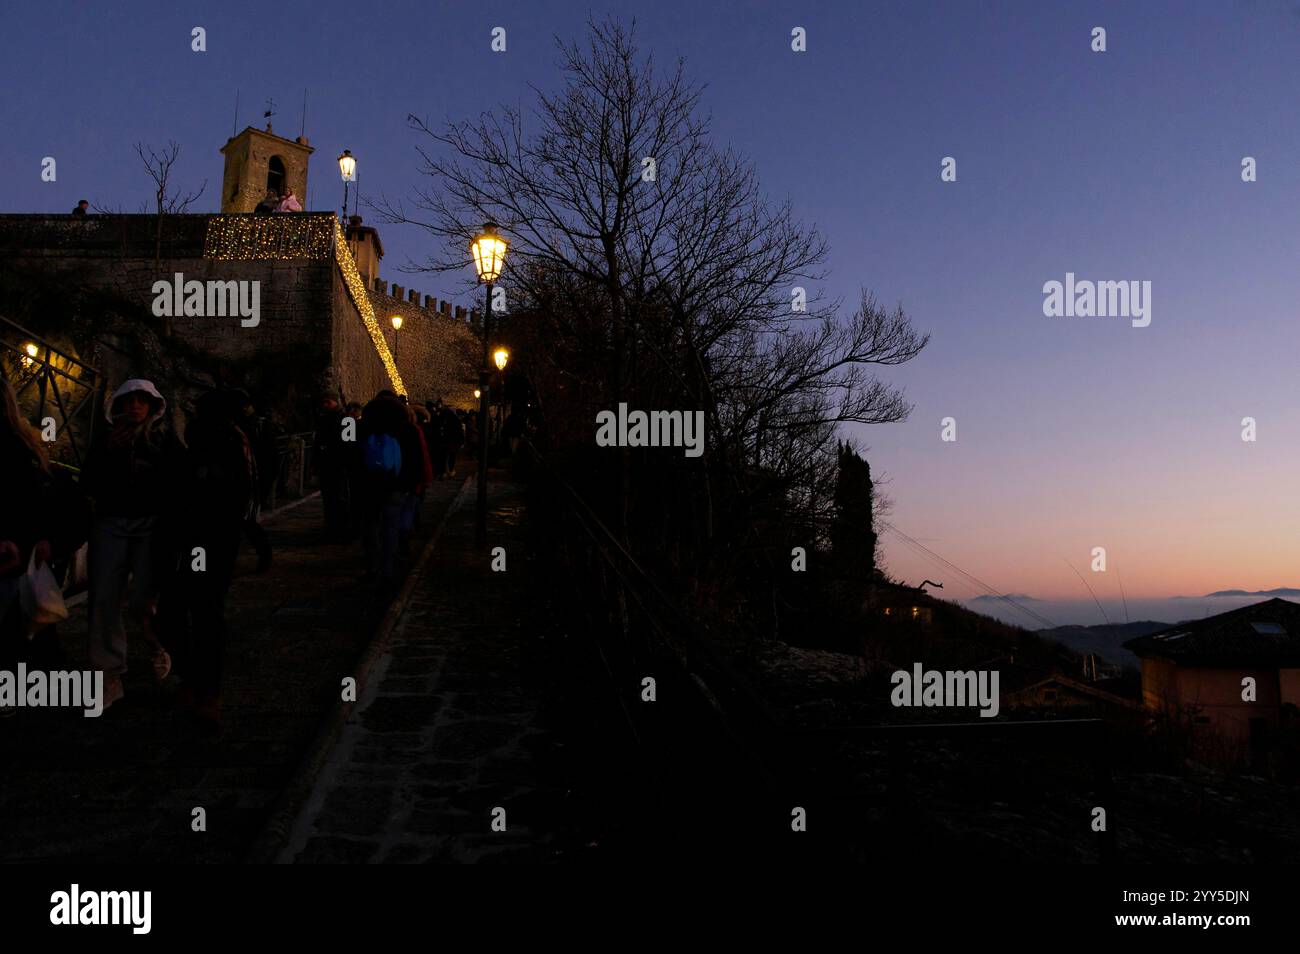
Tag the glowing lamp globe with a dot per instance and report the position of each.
(489, 251)
(348, 166)
(501, 356)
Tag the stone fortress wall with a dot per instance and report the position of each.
(311, 337)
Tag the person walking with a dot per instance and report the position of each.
(331, 468)
(130, 476)
(263, 437)
(431, 425)
(384, 427)
(215, 495)
(469, 420)
(354, 468)
(24, 523)
(513, 429)
(417, 476)
(453, 438)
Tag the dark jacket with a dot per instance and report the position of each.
(417, 470)
(329, 444)
(136, 479)
(24, 518)
(218, 470)
(453, 432)
(385, 415)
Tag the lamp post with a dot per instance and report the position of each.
(348, 170)
(489, 251)
(397, 326)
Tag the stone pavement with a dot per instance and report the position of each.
(121, 788)
(461, 715)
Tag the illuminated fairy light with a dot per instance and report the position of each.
(357, 289)
(297, 236)
(269, 237)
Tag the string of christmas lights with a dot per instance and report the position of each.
(357, 289)
(269, 237)
(298, 236)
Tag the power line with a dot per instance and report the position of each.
(1122, 597)
(1089, 589)
(971, 579)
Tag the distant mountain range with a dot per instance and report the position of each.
(1286, 592)
(1106, 640)
(1282, 591)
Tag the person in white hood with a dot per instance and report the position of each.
(130, 475)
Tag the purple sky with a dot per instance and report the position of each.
(1072, 432)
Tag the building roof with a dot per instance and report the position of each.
(300, 142)
(1072, 685)
(1265, 634)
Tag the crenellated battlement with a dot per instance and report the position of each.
(404, 300)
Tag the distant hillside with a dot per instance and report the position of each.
(1106, 640)
(1282, 591)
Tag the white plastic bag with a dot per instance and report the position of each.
(40, 597)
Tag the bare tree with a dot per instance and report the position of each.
(656, 270)
(166, 201)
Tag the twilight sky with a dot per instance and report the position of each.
(1072, 432)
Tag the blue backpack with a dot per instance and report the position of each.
(383, 455)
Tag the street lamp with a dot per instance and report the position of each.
(489, 251)
(348, 170)
(397, 326)
(477, 392)
(501, 356)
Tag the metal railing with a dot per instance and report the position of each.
(293, 466)
(60, 382)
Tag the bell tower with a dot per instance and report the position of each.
(257, 160)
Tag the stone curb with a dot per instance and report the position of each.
(275, 833)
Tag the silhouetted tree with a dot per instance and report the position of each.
(166, 201)
(652, 269)
(852, 533)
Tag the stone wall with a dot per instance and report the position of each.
(356, 373)
(435, 349)
(310, 339)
